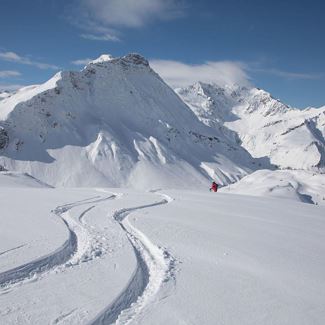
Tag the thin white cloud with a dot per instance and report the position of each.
(100, 37)
(10, 87)
(14, 57)
(9, 73)
(179, 74)
(130, 13)
(81, 61)
(103, 19)
(288, 74)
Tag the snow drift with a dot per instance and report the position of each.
(301, 186)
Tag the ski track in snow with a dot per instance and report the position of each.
(155, 267)
(63, 317)
(12, 249)
(69, 254)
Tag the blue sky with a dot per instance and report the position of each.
(275, 45)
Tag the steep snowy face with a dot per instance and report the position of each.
(115, 123)
(211, 104)
(260, 102)
(291, 138)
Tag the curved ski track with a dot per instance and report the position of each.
(155, 267)
(61, 256)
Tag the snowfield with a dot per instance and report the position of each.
(106, 217)
(104, 256)
(16, 179)
(297, 185)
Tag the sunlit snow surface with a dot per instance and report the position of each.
(297, 185)
(253, 253)
(115, 123)
(99, 256)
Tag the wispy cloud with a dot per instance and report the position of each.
(130, 13)
(81, 61)
(178, 74)
(100, 37)
(288, 74)
(14, 57)
(104, 19)
(10, 87)
(9, 73)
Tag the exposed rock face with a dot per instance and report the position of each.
(4, 138)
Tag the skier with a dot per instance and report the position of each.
(214, 187)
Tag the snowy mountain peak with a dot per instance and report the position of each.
(115, 123)
(227, 101)
(291, 138)
(261, 101)
(103, 58)
(129, 59)
(135, 58)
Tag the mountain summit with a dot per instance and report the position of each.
(115, 123)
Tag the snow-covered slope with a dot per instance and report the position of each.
(17, 179)
(115, 123)
(291, 138)
(4, 94)
(86, 256)
(301, 186)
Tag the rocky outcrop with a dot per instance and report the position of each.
(4, 138)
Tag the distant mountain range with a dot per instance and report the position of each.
(289, 137)
(117, 123)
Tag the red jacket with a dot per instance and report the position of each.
(214, 187)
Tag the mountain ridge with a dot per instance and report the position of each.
(114, 123)
(291, 138)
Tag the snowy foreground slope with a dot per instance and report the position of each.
(115, 123)
(290, 138)
(102, 256)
